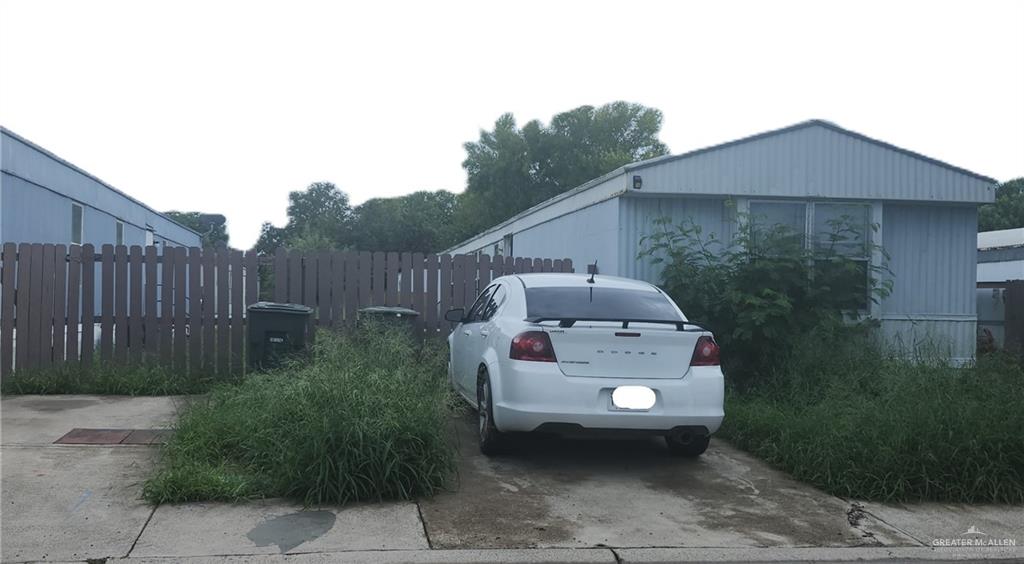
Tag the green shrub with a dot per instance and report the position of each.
(364, 419)
(109, 379)
(762, 288)
(844, 417)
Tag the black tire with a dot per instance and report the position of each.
(491, 440)
(690, 446)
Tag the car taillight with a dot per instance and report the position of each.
(532, 345)
(705, 353)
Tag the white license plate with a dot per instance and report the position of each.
(633, 397)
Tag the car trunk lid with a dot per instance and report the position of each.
(606, 350)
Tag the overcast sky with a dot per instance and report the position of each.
(227, 106)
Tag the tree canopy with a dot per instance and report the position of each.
(212, 227)
(509, 169)
(1008, 210)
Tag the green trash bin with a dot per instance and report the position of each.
(399, 316)
(276, 331)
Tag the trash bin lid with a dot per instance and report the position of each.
(389, 310)
(295, 309)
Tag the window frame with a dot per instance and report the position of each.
(81, 223)
(118, 232)
(871, 257)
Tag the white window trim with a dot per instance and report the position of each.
(118, 224)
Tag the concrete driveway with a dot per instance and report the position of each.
(548, 500)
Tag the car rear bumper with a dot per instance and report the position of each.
(537, 396)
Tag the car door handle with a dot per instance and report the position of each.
(466, 331)
(484, 332)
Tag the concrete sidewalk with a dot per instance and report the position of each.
(548, 501)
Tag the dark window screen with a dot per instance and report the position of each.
(598, 303)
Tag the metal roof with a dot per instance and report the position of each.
(91, 176)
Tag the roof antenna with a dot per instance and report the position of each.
(592, 271)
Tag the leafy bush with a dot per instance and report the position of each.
(845, 417)
(108, 378)
(364, 419)
(762, 288)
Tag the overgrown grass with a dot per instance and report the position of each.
(109, 379)
(365, 419)
(858, 424)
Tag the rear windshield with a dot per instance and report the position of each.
(598, 303)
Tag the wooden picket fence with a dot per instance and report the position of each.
(186, 307)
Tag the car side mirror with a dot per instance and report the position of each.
(455, 315)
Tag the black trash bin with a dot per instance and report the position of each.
(275, 332)
(398, 316)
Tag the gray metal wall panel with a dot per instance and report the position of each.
(638, 214)
(813, 162)
(584, 236)
(933, 258)
(33, 179)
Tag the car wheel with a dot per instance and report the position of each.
(490, 437)
(687, 445)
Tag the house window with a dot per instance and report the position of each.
(119, 233)
(506, 245)
(149, 235)
(76, 224)
(827, 228)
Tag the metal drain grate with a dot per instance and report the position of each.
(79, 436)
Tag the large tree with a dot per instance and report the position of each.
(421, 221)
(1008, 210)
(319, 217)
(212, 227)
(510, 169)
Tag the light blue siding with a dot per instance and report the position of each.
(37, 190)
(814, 161)
(584, 235)
(933, 260)
(638, 214)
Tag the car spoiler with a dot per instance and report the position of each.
(569, 322)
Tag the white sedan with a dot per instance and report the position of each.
(571, 352)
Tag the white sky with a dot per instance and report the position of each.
(227, 106)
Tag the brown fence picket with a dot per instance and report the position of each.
(430, 299)
(309, 280)
(179, 333)
(135, 335)
(60, 296)
(323, 288)
(377, 281)
(74, 292)
(405, 281)
(167, 306)
(446, 269)
(235, 261)
(46, 308)
(120, 304)
(471, 271)
(7, 281)
(459, 281)
(208, 310)
(392, 272)
(252, 278)
(21, 296)
(365, 275)
(418, 292)
(295, 277)
(223, 301)
(151, 339)
(106, 303)
(337, 289)
(87, 342)
(195, 309)
(281, 275)
(352, 278)
(484, 272)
